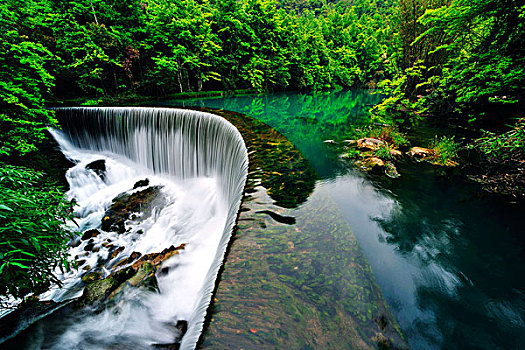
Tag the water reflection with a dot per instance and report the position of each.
(306, 119)
(450, 263)
(450, 268)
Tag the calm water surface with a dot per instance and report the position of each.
(450, 262)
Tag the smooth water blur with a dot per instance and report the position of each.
(305, 119)
(450, 262)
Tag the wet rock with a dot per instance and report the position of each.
(420, 153)
(383, 343)
(135, 255)
(141, 183)
(157, 258)
(140, 274)
(391, 171)
(373, 162)
(396, 153)
(182, 325)
(98, 291)
(369, 143)
(117, 252)
(143, 276)
(90, 234)
(112, 222)
(350, 142)
(89, 247)
(125, 205)
(99, 167)
(164, 271)
(92, 277)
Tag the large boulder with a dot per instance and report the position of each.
(125, 205)
(129, 273)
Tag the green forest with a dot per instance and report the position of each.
(452, 59)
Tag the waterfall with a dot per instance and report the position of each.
(175, 144)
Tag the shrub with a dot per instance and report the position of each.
(32, 233)
(505, 146)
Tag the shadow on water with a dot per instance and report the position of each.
(449, 260)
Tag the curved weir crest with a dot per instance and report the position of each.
(178, 144)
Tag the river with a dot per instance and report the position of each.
(449, 260)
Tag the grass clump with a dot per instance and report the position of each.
(384, 152)
(445, 150)
(390, 135)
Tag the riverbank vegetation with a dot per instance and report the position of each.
(456, 60)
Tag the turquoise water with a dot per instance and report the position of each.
(450, 261)
(305, 119)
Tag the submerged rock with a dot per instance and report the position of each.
(126, 205)
(99, 167)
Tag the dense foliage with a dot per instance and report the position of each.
(33, 239)
(439, 57)
(459, 56)
(25, 83)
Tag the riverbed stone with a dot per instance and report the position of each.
(139, 274)
(125, 205)
(98, 167)
(141, 183)
(90, 234)
(421, 153)
(391, 170)
(369, 143)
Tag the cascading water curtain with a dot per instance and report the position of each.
(183, 144)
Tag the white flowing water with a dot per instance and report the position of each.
(200, 161)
